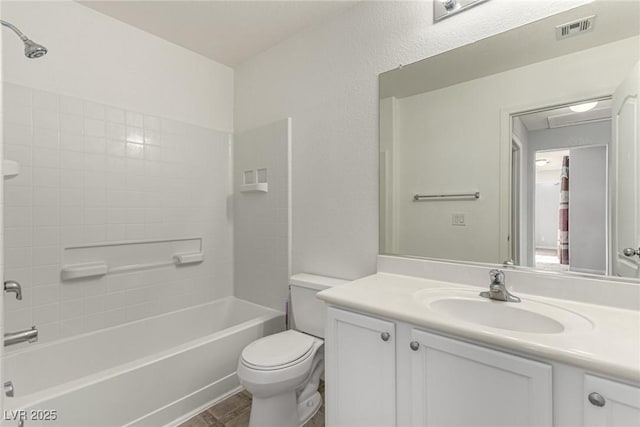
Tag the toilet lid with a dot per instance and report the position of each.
(278, 349)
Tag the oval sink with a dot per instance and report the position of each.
(526, 316)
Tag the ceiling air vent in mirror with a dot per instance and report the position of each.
(576, 27)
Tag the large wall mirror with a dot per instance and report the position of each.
(521, 148)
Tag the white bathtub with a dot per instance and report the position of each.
(152, 372)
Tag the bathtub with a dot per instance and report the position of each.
(152, 372)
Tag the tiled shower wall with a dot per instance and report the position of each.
(92, 174)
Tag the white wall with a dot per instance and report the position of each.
(326, 79)
(92, 56)
(121, 136)
(546, 218)
(262, 233)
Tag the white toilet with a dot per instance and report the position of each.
(282, 371)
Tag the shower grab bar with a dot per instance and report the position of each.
(97, 269)
(421, 197)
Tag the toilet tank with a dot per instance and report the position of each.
(308, 313)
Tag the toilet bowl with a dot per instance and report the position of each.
(282, 371)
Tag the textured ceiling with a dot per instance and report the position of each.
(230, 31)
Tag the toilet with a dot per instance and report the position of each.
(282, 371)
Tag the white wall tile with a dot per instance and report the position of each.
(46, 100)
(94, 127)
(17, 237)
(71, 309)
(47, 138)
(45, 255)
(45, 274)
(45, 157)
(71, 160)
(93, 174)
(19, 134)
(18, 196)
(93, 110)
(46, 294)
(46, 177)
(134, 134)
(46, 313)
(45, 196)
(71, 123)
(72, 141)
(115, 115)
(116, 131)
(18, 114)
(134, 119)
(69, 105)
(16, 95)
(46, 236)
(17, 216)
(19, 153)
(45, 119)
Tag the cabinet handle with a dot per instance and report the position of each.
(596, 399)
(414, 345)
(385, 336)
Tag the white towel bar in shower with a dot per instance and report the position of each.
(96, 269)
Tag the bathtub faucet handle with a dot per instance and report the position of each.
(8, 389)
(13, 286)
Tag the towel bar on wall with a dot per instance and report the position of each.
(96, 269)
(420, 197)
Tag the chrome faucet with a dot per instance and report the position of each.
(13, 286)
(497, 289)
(30, 335)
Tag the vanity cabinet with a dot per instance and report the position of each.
(609, 403)
(361, 368)
(454, 383)
(387, 373)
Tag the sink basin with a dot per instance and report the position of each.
(526, 316)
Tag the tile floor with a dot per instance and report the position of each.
(234, 412)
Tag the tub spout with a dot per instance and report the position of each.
(30, 335)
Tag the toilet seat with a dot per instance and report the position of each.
(279, 351)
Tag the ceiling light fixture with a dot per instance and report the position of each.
(542, 162)
(445, 8)
(581, 108)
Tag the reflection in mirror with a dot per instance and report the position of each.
(542, 124)
(562, 153)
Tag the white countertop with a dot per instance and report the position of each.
(611, 347)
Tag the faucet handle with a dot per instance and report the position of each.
(496, 276)
(13, 286)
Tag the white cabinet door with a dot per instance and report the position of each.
(360, 370)
(610, 404)
(459, 384)
(626, 182)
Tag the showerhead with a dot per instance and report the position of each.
(31, 49)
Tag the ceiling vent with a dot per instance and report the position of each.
(574, 28)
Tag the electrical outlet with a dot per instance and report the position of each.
(458, 219)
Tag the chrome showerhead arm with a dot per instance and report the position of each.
(31, 48)
(15, 30)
